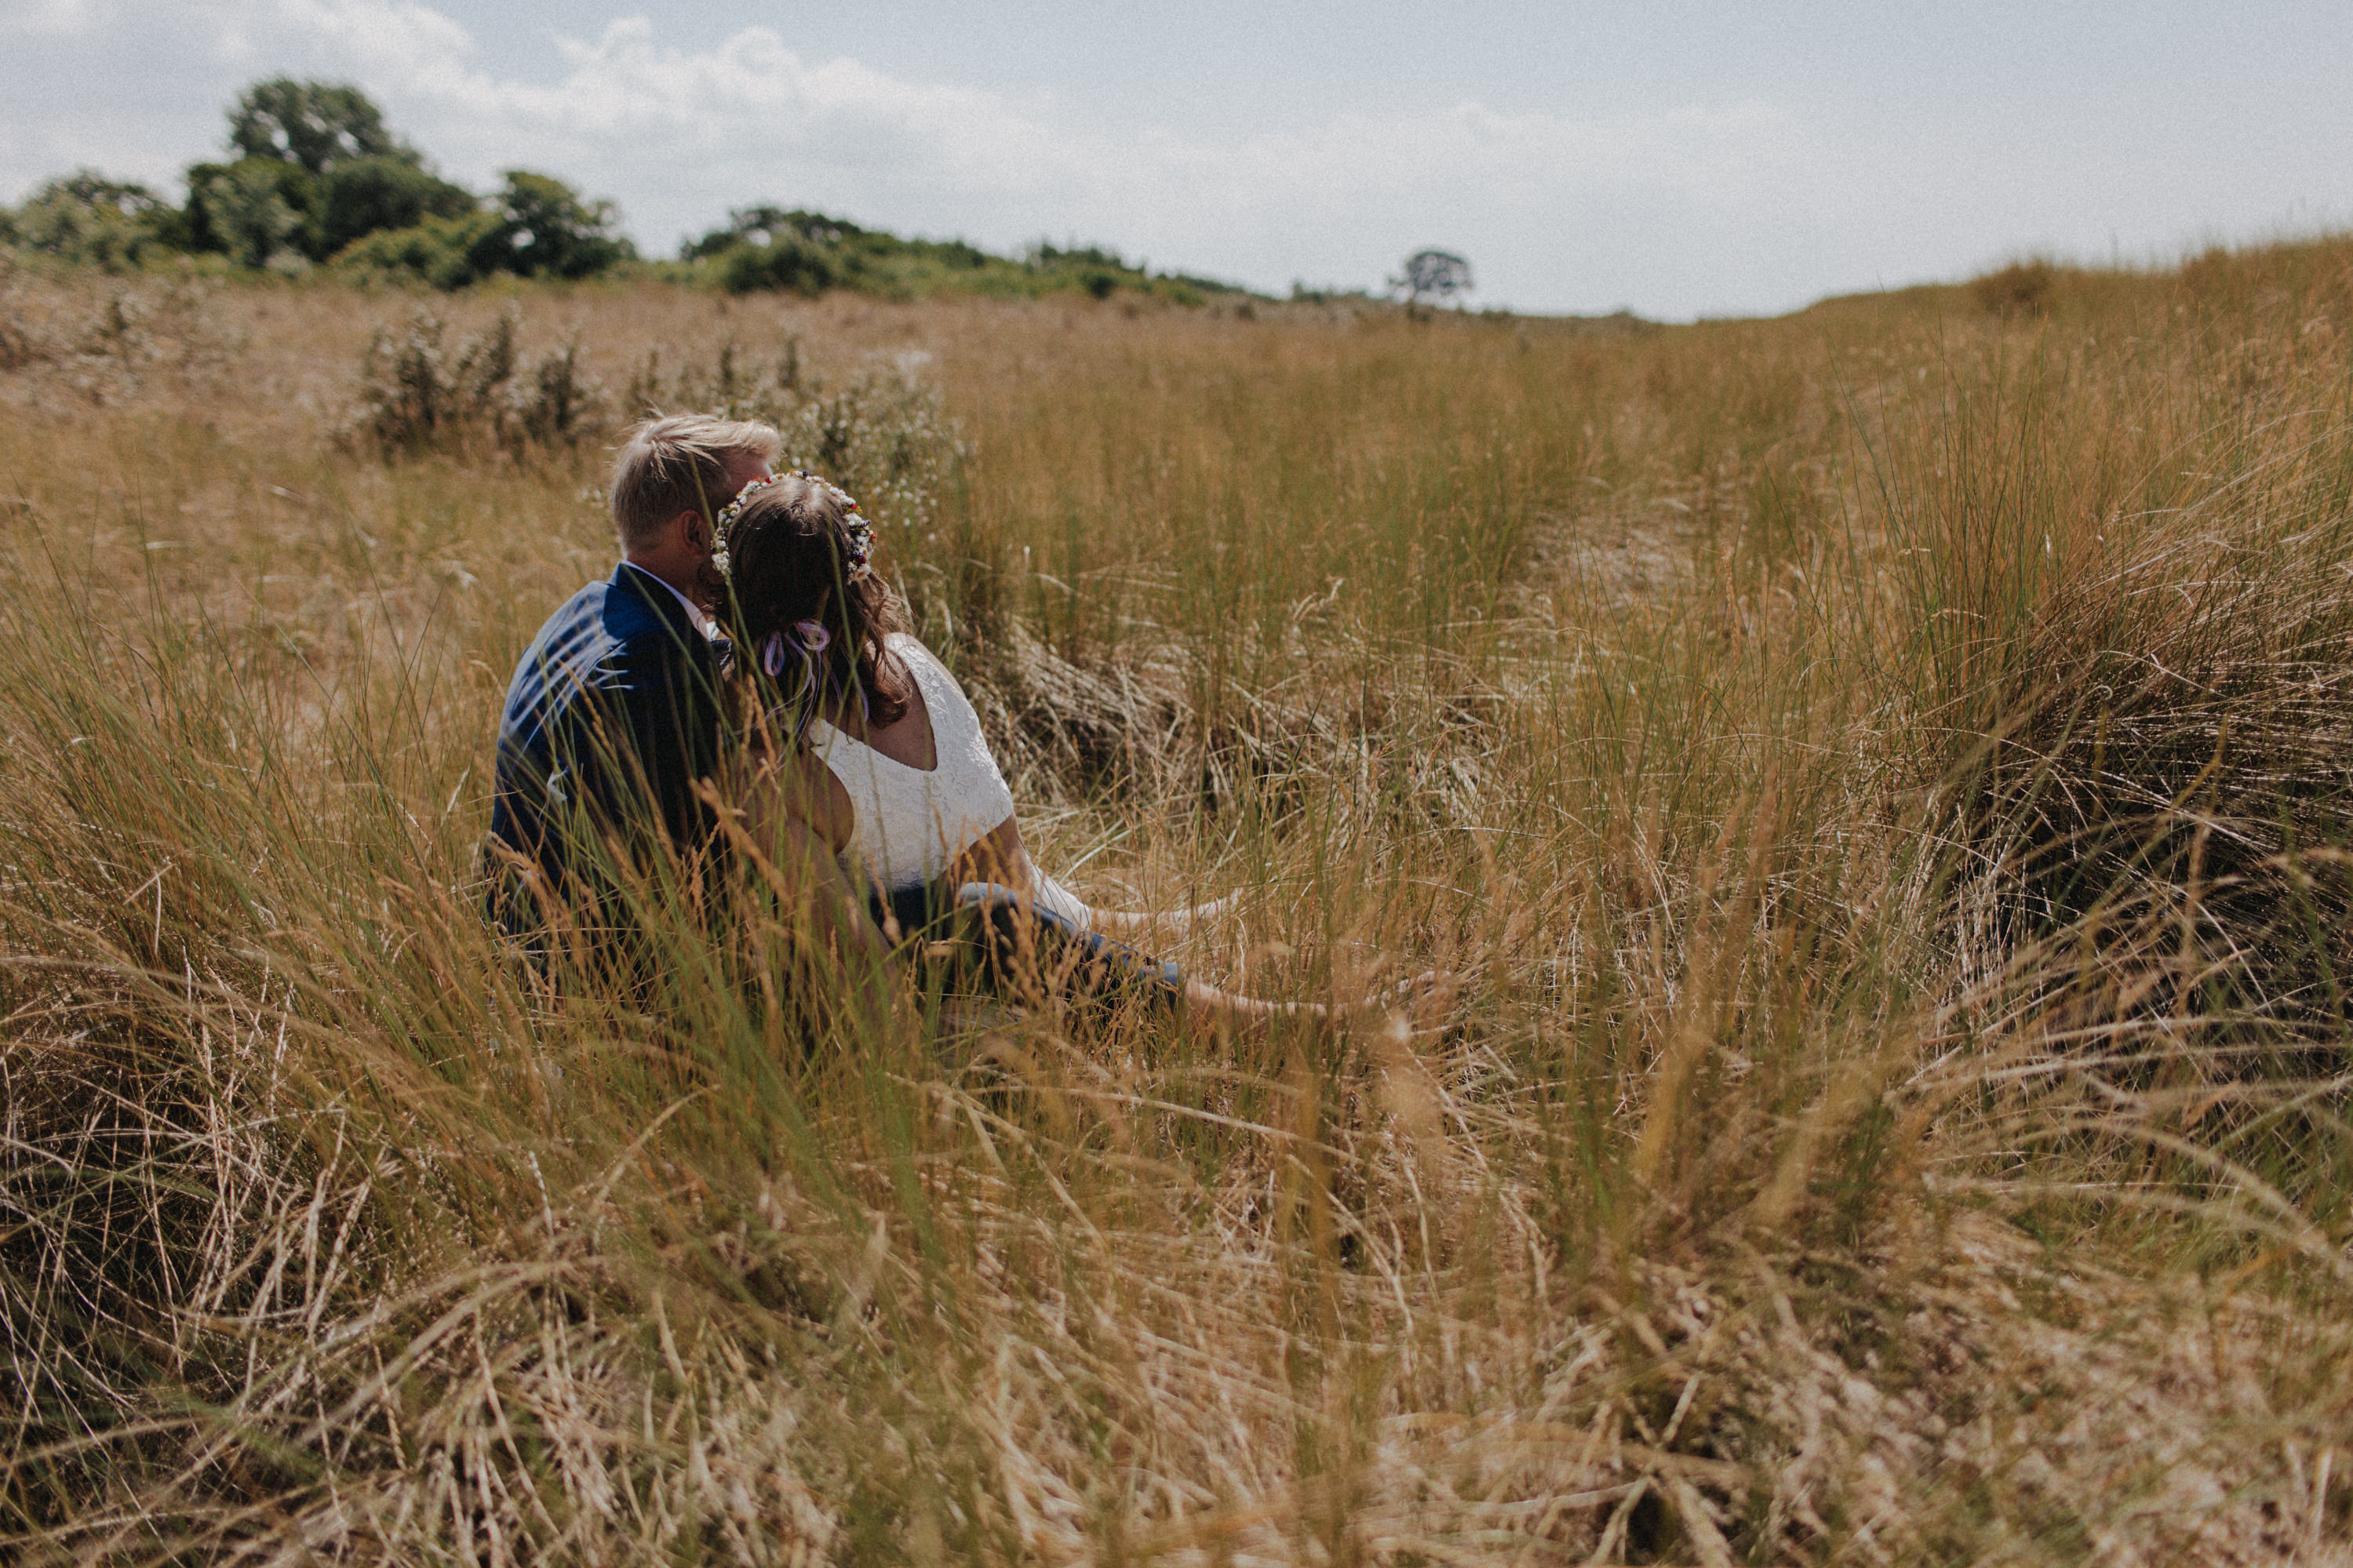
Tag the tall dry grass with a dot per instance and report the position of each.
(1876, 775)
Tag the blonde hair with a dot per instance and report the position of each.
(679, 463)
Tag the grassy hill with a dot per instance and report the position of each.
(1877, 779)
(809, 253)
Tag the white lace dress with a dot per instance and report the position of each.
(913, 823)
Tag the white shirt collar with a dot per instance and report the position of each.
(702, 622)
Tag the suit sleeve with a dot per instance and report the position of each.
(670, 700)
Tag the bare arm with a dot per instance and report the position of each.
(1000, 856)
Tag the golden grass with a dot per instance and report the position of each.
(1878, 775)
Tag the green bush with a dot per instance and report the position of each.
(87, 218)
(379, 195)
(540, 227)
(444, 252)
(552, 231)
(317, 176)
(763, 247)
(318, 172)
(769, 248)
(762, 226)
(250, 210)
(786, 262)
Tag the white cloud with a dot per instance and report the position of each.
(411, 42)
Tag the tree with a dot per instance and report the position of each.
(250, 210)
(368, 195)
(313, 124)
(1432, 275)
(323, 150)
(761, 226)
(550, 231)
(318, 174)
(537, 226)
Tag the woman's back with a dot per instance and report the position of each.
(912, 822)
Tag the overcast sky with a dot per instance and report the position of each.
(1679, 159)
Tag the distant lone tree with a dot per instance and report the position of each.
(1433, 276)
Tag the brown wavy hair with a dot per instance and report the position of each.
(788, 554)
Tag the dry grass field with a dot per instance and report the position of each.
(1881, 781)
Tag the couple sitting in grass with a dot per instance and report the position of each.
(744, 684)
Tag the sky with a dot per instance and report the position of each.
(1679, 159)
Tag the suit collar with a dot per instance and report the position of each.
(666, 602)
(669, 606)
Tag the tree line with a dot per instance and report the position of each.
(314, 177)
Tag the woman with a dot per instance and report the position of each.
(879, 750)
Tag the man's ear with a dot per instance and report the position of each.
(691, 532)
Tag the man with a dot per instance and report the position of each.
(614, 715)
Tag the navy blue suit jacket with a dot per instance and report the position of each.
(613, 714)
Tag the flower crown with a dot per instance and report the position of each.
(858, 555)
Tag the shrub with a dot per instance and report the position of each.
(538, 227)
(249, 210)
(763, 247)
(444, 252)
(417, 396)
(557, 404)
(89, 218)
(380, 194)
(884, 434)
(2021, 288)
(18, 346)
(549, 230)
(786, 262)
(768, 248)
(762, 226)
